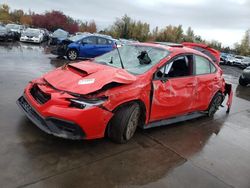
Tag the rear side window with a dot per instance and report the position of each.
(213, 69)
(110, 42)
(203, 66)
(102, 41)
(206, 52)
(89, 40)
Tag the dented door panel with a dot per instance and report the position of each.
(172, 98)
(205, 87)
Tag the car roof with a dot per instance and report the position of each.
(173, 47)
(33, 29)
(99, 35)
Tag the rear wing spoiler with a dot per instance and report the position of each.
(203, 48)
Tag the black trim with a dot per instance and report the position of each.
(174, 120)
(151, 95)
(40, 96)
(51, 125)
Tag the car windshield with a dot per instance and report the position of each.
(131, 56)
(32, 32)
(76, 37)
(2, 28)
(12, 26)
(60, 34)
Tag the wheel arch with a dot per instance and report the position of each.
(219, 91)
(73, 48)
(127, 103)
(138, 101)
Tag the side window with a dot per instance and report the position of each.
(213, 69)
(202, 65)
(163, 72)
(89, 40)
(101, 41)
(110, 42)
(179, 67)
(207, 52)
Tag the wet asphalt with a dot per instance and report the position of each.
(198, 153)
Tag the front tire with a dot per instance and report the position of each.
(72, 54)
(214, 104)
(242, 82)
(124, 123)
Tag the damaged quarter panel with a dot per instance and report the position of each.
(137, 91)
(209, 82)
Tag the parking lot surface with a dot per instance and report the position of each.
(199, 153)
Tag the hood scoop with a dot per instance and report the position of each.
(76, 70)
(87, 77)
(87, 68)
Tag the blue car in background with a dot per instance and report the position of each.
(58, 36)
(88, 46)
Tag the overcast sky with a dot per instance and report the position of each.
(222, 20)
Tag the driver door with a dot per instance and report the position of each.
(88, 46)
(174, 89)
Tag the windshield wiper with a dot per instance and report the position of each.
(119, 55)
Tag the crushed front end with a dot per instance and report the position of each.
(63, 114)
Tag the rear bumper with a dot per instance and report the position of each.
(54, 126)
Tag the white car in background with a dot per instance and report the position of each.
(229, 60)
(238, 60)
(32, 35)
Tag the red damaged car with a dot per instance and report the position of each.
(139, 85)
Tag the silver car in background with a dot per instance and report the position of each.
(16, 28)
(32, 35)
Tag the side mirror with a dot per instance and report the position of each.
(159, 76)
(164, 79)
(83, 43)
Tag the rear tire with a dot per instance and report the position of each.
(72, 54)
(215, 104)
(242, 82)
(124, 123)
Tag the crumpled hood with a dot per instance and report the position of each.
(87, 77)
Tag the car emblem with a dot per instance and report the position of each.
(86, 81)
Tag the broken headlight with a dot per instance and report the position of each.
(86, 103)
